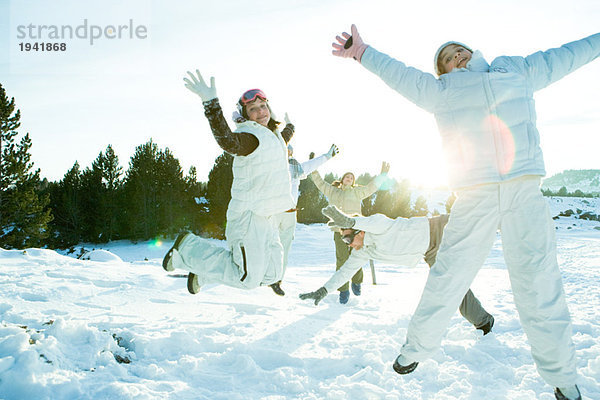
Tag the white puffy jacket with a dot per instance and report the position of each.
(486, 116)
(400, 241)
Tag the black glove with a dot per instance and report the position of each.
(338, 218)
(333, 150)
(317, 296)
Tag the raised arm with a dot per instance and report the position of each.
(288, 131)
(375, 183)
(417, 86)
(238, 143)
(314, 163)
(546, 67)
(323, 186)
(235, 143)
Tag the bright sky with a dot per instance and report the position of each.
(125, 91)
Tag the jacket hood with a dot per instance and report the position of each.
(439, 50)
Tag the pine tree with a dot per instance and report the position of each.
(218, 194)
(171, 194)
(450, 202)
(562, 191)
(153, 190)
(310, 202)
(91, 205)
(401, 204)
(67, 226)
(111, 200)
(140, 190)
(420, 209)
(24, 215)
(194, 206)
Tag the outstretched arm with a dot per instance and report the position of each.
(375, 183)
(323, 186)
(546, 67)
(357, 259)
(314, 163)
(417, 86)
(353, 264)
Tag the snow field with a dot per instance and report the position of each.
(119, 327)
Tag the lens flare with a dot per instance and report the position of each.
(156, 243)
(505, 143)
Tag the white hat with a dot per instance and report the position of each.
(442, 47)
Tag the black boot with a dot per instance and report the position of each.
(277, 288)
(404, 369)
(167, 260)
(193, 285)
(573, 393)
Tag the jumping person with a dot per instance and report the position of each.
(260, 191)
(348, 197)
(400, 241)
(286, 221)
(486, 117)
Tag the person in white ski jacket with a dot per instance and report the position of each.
(487, 121)
(286, 221)
(401, 241)
(260, 191)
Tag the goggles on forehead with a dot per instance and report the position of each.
(348, 238)
(251, 95)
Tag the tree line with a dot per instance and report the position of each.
(563, 192)
(152, 198)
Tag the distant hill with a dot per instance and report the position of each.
(586, 180)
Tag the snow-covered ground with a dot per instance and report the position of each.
(117, 326)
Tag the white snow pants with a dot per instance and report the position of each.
(254, 255)
(519, 210)
(286, 223)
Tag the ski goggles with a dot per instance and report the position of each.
(251, 95)
(348, 238)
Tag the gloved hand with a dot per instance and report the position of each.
(287, 119)
(356, 49)
(311, 155)
(385, 167)
(317, 295)
(338, 218)
(197, 85)
(333, 150)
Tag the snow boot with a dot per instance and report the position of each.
(404, 369)
(344, 296)
(567, 393)
(277, 288)
(167, 260)
(487, 328)
(193, 285)
(355, 288)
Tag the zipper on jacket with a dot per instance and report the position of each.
(244, 262)
(493, 122)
